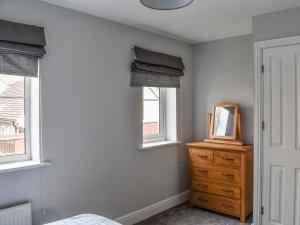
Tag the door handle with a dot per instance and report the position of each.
(202, 200)
(203, 186)
(228, 175)
(227, 206)
(228, 159)
(227, 190)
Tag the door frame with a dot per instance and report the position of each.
(258, 118)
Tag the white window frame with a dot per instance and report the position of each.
(27, 115)
(162, 119)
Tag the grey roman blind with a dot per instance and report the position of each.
(21, 46)
(155, 69)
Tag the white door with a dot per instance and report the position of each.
(281, 137)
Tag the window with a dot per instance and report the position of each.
(15, 118)
(153, 114)
(161, 124)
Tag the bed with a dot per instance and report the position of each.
(85, 219)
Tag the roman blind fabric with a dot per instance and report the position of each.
(21, 46)
(153, 69)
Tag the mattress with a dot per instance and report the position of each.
(85, 219)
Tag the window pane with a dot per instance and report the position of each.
(12, 114)
(151, 118)
(151, 111)
(11, 86)
(151, 93)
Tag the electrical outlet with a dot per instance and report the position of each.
(44, 212)
(181, 165)
(181, 171)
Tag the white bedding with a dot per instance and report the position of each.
(85, 219)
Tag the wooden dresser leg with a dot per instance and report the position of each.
(242, 219)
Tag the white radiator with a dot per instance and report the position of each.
(17, 215)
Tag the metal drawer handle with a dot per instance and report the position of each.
(227, 206)
(203, 171)
(202, 200)
(203, 186)
(228, 159)
(227, 190)
(228, 175)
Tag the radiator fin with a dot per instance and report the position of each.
(17, 215)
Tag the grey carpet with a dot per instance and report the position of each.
(185, 215)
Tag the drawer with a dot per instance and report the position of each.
(201, 156)
(216, 188)
(228, 175)
(228, 206)
(228, 159)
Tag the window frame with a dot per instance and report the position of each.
(162, 119)
(27, 116)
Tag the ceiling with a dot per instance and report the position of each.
(203, 20)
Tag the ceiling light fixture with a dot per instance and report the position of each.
(166, 4)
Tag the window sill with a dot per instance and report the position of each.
(18, 166)
(159, 144)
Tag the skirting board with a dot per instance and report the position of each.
(154, 209)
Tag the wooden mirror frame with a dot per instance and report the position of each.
(236, 138)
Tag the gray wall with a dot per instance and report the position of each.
(224, 72)
(279, 24)
(89, 120)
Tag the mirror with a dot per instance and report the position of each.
(224, 121)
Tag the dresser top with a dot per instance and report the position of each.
(202, 144)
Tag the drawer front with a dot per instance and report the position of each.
(227, 206)
(216, 188)
(201, 156)
(228, 159)
(227, 175)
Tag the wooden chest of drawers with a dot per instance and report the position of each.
(221, 178)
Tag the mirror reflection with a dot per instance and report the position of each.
(224, 121)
